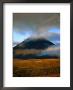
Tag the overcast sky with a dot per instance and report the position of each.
(36, 25)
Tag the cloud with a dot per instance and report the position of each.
(23, 21)
(32, 25)
(53, 50)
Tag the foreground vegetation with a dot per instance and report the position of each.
(36, 68)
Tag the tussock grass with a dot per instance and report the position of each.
(36, 68)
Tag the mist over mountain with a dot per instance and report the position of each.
(36, 35)
(35, 48)
(31, 25)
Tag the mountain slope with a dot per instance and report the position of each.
(33, 48)
(34, 44)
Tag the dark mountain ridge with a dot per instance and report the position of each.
(34, 44)
(29, 44)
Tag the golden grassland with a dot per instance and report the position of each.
(36, 68)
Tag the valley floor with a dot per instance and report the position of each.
(36, 68)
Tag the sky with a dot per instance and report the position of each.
(36, 25)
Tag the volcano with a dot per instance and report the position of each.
(34, 44)
(32, 48)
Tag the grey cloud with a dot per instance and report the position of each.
(53, 50)
(35, 21)
(36, 24)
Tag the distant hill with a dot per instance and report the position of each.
(32, 56)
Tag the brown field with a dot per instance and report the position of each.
(36, 68)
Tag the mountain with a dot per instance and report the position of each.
(33, 48)
(34, 44)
